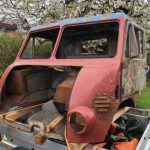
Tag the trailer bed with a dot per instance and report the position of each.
(13, 138)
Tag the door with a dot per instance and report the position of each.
(134, 63)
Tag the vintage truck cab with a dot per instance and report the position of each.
(77, 71)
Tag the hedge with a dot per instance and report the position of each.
(9, 46)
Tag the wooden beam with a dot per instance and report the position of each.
(55, 122)
(15, 114)
(39, 139)
(119, 113)
(12, 116)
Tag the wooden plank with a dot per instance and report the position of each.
(39, 139)
(55, 122)
(21, 109)
(15, 114)
(119, 113)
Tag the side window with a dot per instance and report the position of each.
(40, 44)
(38, 48)
(134, 43)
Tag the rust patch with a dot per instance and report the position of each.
(63, 92)
(133, 76)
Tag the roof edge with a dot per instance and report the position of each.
(82, 20)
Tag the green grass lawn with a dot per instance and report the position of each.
(144, 99)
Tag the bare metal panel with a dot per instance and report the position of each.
(26, 140)
(144, 143)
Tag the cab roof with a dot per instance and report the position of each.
(81, 20)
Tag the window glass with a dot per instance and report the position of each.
(40, 45)
(89, 41)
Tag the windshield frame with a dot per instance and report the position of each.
(120, 46)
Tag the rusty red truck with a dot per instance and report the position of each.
(74, 74)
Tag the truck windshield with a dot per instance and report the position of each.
(89, 41)
(40, 44)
